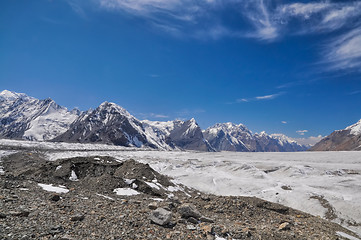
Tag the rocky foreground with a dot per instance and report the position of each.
(101, 198)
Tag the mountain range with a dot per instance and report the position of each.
(24, 117)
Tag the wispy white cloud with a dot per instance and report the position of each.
(260, 17)
(302, 132)
(189, 112)
(284, 122)
(175, 17)
(355, 92)
(266, 97)
(265, 20)
(312, 140)
(152, 115)
(258, 98)
(344, 52)
(318, 17)
(77, 8)
(152, 75)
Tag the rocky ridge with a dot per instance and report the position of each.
(348, 139)
(88, 207)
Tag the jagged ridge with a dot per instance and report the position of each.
(24, 117)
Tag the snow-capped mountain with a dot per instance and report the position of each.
(109, 124)
(24, 117)
(277, 143)
(348, 139)
(181, 134)
(232, 137)
(289, 144)
(112, 124)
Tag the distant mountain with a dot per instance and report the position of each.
(232, 137)
(287, 144)
(24, 117)
(112, 124)
(182, 134)
(109, 124)
(348, 139)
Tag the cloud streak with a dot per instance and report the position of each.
(344, 52)
(268, 19)
(265, 20)
(302, 132)
(312, 140)
(259, 98)
(153, 115)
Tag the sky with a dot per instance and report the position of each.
(291, 67)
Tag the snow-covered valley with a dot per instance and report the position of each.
(327, 184)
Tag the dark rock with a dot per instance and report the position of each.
(160, 216)
(55, 197)
(189, 210)
(77, 217)
(273, 207)
(192, 220)
(21, 213)
(284, 187)
(205, 198)
(2, 215)
(66, 237)
(56, 229)
(206, 219)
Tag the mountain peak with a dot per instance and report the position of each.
(262, 134)
(282, 137)
(11, 96)
(112, 107)
(355, 128)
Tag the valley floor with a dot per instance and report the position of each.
(326, 184)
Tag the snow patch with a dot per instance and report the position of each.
(345, 235)
(125, 191)
(107, 197)
(153, 185)
(73, 177)
(128, 181)
(51, 188)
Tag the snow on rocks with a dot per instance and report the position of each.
(51, 188)
(355, 129)
(125, 191)
(73, 177)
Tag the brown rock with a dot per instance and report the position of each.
(284, 226)
(153, 205)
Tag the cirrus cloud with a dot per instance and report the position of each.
(265, 20)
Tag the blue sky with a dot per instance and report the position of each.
(291, 67)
